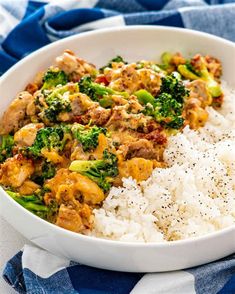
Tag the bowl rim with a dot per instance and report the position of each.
(93, 239)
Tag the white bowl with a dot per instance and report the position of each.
(133, 43)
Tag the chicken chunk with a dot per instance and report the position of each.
(122, 119)
(141, 148)
(80, 103)
(198, 90)
(76, 218)
(28, 187)
(97, 115)
(195, 114)
(14, 171)
(67, 186)
(156, 137)
(139, 169)
(26, 135)
(74, 66)
(130, 79)
(16, 113)
(214, 66)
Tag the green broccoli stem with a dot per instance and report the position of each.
(144, 97)
(166, 60)
(97, 91)
(106, 102)
(213, 87)
(100, 171)
(29, 202)
(84, 165)
(103, 90)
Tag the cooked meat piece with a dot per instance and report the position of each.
(130, 79)
(121, 119)
(74, 66)
(119, 100)
(65, 116)
(31, 88)
(198, 89)
(15, 113)
(134, 105)
(195, 114)
(26, 135)
(68, 185)
(28, 187)
(138, 168)
(120, 137)
(77, 152)
(80, 103)
(196, 62)
(157, 137)
(218, 101)
(52, 156)
(177, 59)
(123, 79)
(149, 80)
(76, 218)
(14, 171)
(214, 66)
(97, 115)
(141, 148)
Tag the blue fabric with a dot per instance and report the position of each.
(217, 277)
(37, 23)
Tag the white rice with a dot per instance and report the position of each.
(193, 197)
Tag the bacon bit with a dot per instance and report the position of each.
(31, 88)
(217, 101)
(153, 125)
(157, 137)
(78, 119)
(196, 62)
(20, 157)
(178, 59)
(102, 80)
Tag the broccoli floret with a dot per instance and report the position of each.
(144, 97)
(167, 107)
(54, 77)
(189, 72)
(34, 203)
(172, 85)
(115, 59)
(58, 101)
(98, 171)
(47, 171)
(87, 136)
(6, 147)
(56, 106)
(49, 138)
(96, 91)
(169, 104)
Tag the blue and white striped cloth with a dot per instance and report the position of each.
(28, 25)
(36, 271)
